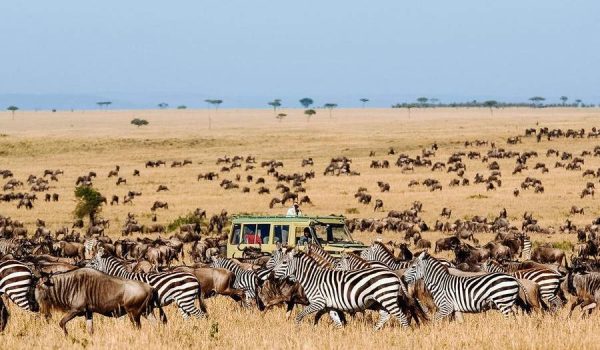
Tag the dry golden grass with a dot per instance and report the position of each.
(78, 142)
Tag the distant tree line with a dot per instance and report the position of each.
(534, 102)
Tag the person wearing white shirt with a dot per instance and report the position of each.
(294, 210)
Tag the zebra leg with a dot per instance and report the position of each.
(444, 311)
(506, 309)
(187, 307)
(314, 306)
(335, 317)
(384, 316)
(459, 317)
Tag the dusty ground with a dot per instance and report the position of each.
(78, 142)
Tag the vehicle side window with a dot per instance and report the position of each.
(264, 230)
(281, 233)
(299, 233)
(235, 236)
(249, 232)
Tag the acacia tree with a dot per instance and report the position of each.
(330, 107)
(537, 100)
(309, 113)
(564, 99)
(13, 109)
(103, 104)
(578, 102)
(89, 202)
(409, 106)
(163, 105)
(364, 101)
(306, 102)
(215, 103)
(491, 104)
(276, 103)
(422, 100)
(280, 116)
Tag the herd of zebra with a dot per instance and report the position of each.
(414, 290)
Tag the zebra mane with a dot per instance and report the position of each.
(300, 255)
(317, 258)
(431, 260)
(357, 258)
(386, 250)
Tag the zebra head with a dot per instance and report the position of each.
(416, 270)
(342, 263)
(285, 268)
(368, 254)
(275, 258)
(492, 266)
(97, 261)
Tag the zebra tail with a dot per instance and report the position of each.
(4, 315)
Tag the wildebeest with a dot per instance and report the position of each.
(86, 291)
(378, 205)
(549, 255)
(159, 204)
(448, 243)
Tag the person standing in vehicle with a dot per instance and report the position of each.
(294, 210)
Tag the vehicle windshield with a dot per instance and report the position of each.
(332, 233)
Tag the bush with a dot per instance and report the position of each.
(563, 245)
(139, 122)
(190, 218)
(352, 211)
(89, 202)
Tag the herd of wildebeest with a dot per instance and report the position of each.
(80, 269)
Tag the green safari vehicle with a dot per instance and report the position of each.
(265, 232)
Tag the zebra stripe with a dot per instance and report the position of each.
(549, 281)
(245, 280)
(343, 290)
(456, 294)
(349, 261)
(89, 246)
(16, 281)
(179, 287)
(378, 252)
(526, 253)
(9, 246)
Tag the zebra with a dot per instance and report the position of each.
(181, 287)
(246, 280)
(379, 252)
(16, 281)
(526, 252)
(456, 294)
(89, 246)
(350, 261)
(10, 246)
(549, 281)
(343, 290)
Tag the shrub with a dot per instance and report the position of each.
(190, 218)
(139, 122)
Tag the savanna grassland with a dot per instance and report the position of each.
(80, 141)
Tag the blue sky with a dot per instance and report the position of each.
(139, 53)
